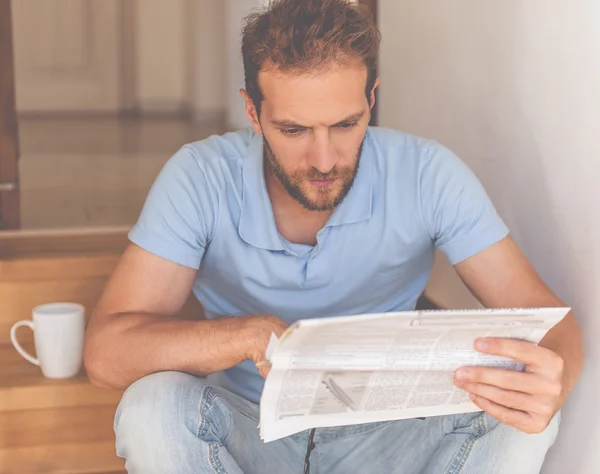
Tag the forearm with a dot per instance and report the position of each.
(566, 340)
(126, 347)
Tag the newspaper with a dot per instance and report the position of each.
(377, 367)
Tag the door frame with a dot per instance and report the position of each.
(9, 135)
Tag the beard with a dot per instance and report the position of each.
(327, 199)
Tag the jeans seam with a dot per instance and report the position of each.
(466, 447)
(486, 428)
(462, 456)
(329, 437)
(201, 419)
(215, 459)
(205, 406)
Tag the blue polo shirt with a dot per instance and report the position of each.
(209, 210)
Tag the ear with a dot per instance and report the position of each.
(372, 96)
(251, 111)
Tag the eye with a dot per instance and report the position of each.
(347, 125)
(292, 132)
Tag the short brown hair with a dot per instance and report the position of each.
(304, 35)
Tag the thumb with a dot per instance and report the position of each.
(264, 368)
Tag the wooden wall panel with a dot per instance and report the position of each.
(9, 143)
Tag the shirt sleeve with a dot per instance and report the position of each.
(460, 217)
(178, 214)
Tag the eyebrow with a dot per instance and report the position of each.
(291, 124)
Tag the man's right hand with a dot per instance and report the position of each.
(259, 334)
(135, 329)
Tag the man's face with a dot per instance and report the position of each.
(313, 128)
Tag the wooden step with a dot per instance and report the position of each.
(18, 298)
(56, 426)
(76, 458)
(23, 387)
(44, 243)
(46, 425)
(76, 268)
(43, 268)
(52, 425)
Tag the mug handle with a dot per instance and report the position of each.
(20, 350)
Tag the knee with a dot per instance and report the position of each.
(495, 447)
(152, 418)
(154, 400)
(523, 452)
(544, 438)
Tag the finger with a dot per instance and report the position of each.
(264, 367)
(505, 415)
(503, 378)
(507, 398)
(523, 351)
(264, 371)
(519, 419)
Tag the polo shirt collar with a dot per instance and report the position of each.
(358, 204)
(257, 223)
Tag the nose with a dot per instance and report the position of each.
(322, 155)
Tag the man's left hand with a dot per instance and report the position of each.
(526, 400)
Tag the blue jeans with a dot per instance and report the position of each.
(175, 423)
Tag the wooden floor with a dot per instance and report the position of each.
(95, 171)
(55, 426)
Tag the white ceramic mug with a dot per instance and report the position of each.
(58, 332)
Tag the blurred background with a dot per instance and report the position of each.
(107, 90)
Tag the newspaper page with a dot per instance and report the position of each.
(378, 367)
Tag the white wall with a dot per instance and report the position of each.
(514, 88)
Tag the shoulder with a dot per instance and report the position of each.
(390, 139)
(213, 163)
(201, 172)
(217, 153)
(399, 151)
(419, 167)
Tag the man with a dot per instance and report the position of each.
(312, 213)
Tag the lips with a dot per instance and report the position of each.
(322, 183)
